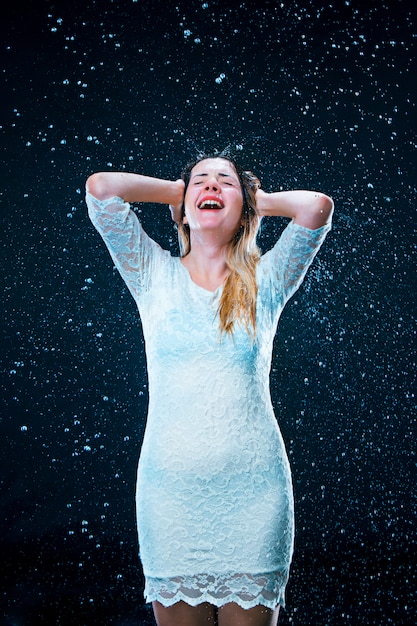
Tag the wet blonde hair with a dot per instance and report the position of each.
(238, 299)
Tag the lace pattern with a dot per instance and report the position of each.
(214, 484)
(246, 590)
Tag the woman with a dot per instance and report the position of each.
(214, 494)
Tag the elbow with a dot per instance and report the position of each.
(323, 209)
(317, 213)
(97, 185)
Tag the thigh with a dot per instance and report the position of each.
(182, 614)
(233, 615)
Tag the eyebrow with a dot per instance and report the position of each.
(205, 174)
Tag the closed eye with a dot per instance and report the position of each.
(225, 179)
(228, 180)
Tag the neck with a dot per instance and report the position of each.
(206, 263)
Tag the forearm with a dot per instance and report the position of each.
(311, 209)
(134, 188)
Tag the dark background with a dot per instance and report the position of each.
(311, 95)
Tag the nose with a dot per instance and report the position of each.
(211, 183)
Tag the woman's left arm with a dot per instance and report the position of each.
(310, 209)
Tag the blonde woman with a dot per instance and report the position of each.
(214, 494)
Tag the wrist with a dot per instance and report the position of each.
(176, 192)
(262, 203)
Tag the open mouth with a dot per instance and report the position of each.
(211, 204)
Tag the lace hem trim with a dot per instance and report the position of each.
(246, 590)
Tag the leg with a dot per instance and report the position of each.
(233, 615)
(182, 614)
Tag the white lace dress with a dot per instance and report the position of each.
(214, 494)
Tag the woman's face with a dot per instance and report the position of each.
(213, 200)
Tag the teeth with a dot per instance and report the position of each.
(211, 204)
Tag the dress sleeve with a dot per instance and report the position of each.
(133, 252)
(285, 265)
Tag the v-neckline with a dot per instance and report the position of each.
(192, 281)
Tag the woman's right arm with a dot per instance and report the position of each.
(135, 188)
(134, 253)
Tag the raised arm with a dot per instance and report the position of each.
(311, 209)
(134, 253)
(135, 188)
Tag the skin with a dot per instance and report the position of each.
(311, 209)
(182, 614)
(211, 231)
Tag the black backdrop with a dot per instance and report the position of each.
(311, 95)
